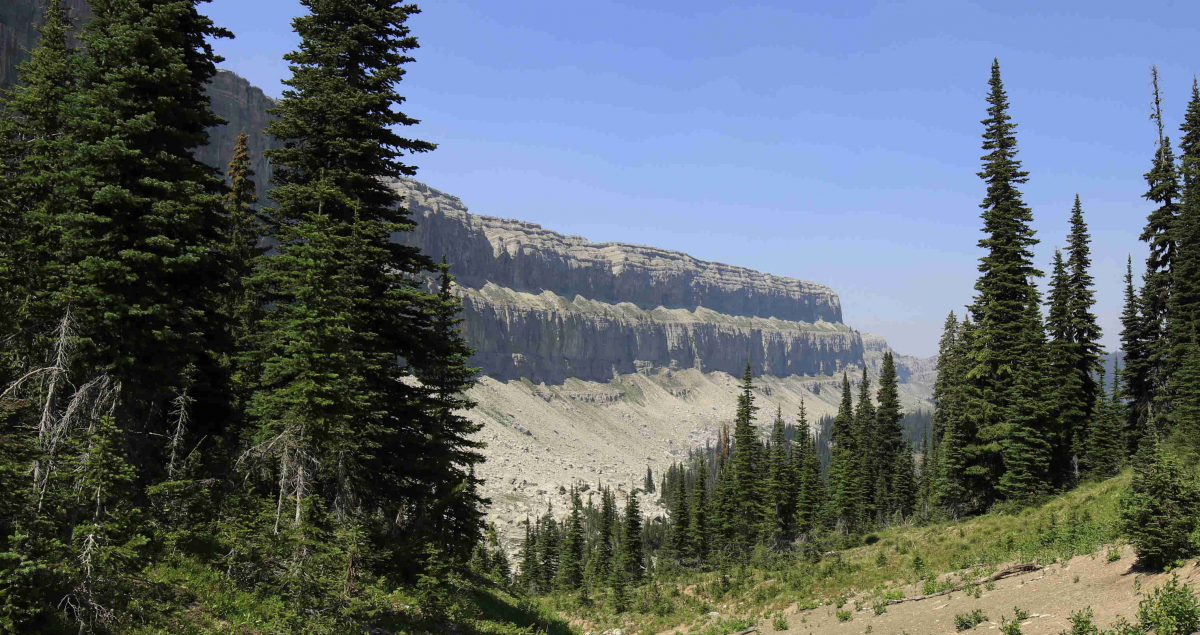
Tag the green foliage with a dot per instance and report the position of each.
(1171, 609)
(967, 621)
(1010, 627)
(844, 616)
(780, 622)
(1158, 511)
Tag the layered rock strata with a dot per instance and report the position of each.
(547, 307)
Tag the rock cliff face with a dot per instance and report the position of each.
(547, 307)
(18, 31)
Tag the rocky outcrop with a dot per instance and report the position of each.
(244, 107)
(525, 257)
(547, 307)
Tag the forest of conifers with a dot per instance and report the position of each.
(1023, 410)
(266, 397)
(172, 391)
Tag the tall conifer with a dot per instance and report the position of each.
(1184, 303)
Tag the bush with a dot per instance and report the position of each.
(1114, 554)
(1020, 614)
(843, 616)
(1010, 628)
(1158, 511)
(1171, 610)
(780, 623)
(967, 621)
(1081, 623)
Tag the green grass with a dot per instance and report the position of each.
(1080, 522)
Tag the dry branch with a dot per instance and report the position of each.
(999, 575)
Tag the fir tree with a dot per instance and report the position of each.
(529, 574)
(895, 454)
(1084, 325)
(811, 497)
(570, 560)
(949, 377)
(1005, 302)
(632, 549)
(606, 534)
(698, 531)
(1184, 303)
(1105, 443)
(1068, 414)
(868, 475)
(1160, 234)
(841, 505)
(1025, 450)
(549, 542)
(648, 482)
(956, 492)
(1158, 511)
(241, 243)
(679, 540)
(1135, 378)
(781, 482)
(748, 510)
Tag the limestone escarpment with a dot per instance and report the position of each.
(525, 257)
(547, 307)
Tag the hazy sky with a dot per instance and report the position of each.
(830, 141)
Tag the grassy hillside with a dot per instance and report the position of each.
(882, 565)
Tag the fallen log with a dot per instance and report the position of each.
(999, 575)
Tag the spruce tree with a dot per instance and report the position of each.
(1004, 305)
(699, 533)
(957, 493)
(1160, 235)
(869, 486)
(570, 560)
(679, 541)
(842, 508)
(1105, 443)
(1085, 327)
(1024, 448)
(648, 482)
(606, 534)
(895, 458)
(242, 241)
(1068, 415)
(748, 494)
(948, 379)
(781, 482)
(632, 548)
(1184, 303)
(1135, 382)
(529, 574)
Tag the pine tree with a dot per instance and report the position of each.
(549, 544)
(632, 549)
(648, 482)
(895, 458)
(1005, 302)
(241, 243)
(1158, 511)
(949, 367)
(529, 574)
(1183, 308)
(570, 560)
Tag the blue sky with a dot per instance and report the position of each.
(830, 141)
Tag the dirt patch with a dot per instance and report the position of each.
(1049, 596)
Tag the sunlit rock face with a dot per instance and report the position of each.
(547, 307)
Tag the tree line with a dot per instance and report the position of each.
(745, 493)
(171, 390)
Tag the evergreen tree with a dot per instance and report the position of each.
(570, 560)
(648, 482)
(747, 499)
(699, 531)
(1160, 234)
(549, 542)
(781, 482)
(632, 549)
(1184, 303)
(1004, 306)
(811, 498)
(1105, 443)
(529, 575)
(956, 492)
(679, 544)
(1068, 414)
(868, 477)
(607, 534)
(895, 458)
(1158, 511)
(948, 379)
(1085, 328)
(1136, 376)
(1025, 450)
(842, 508)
